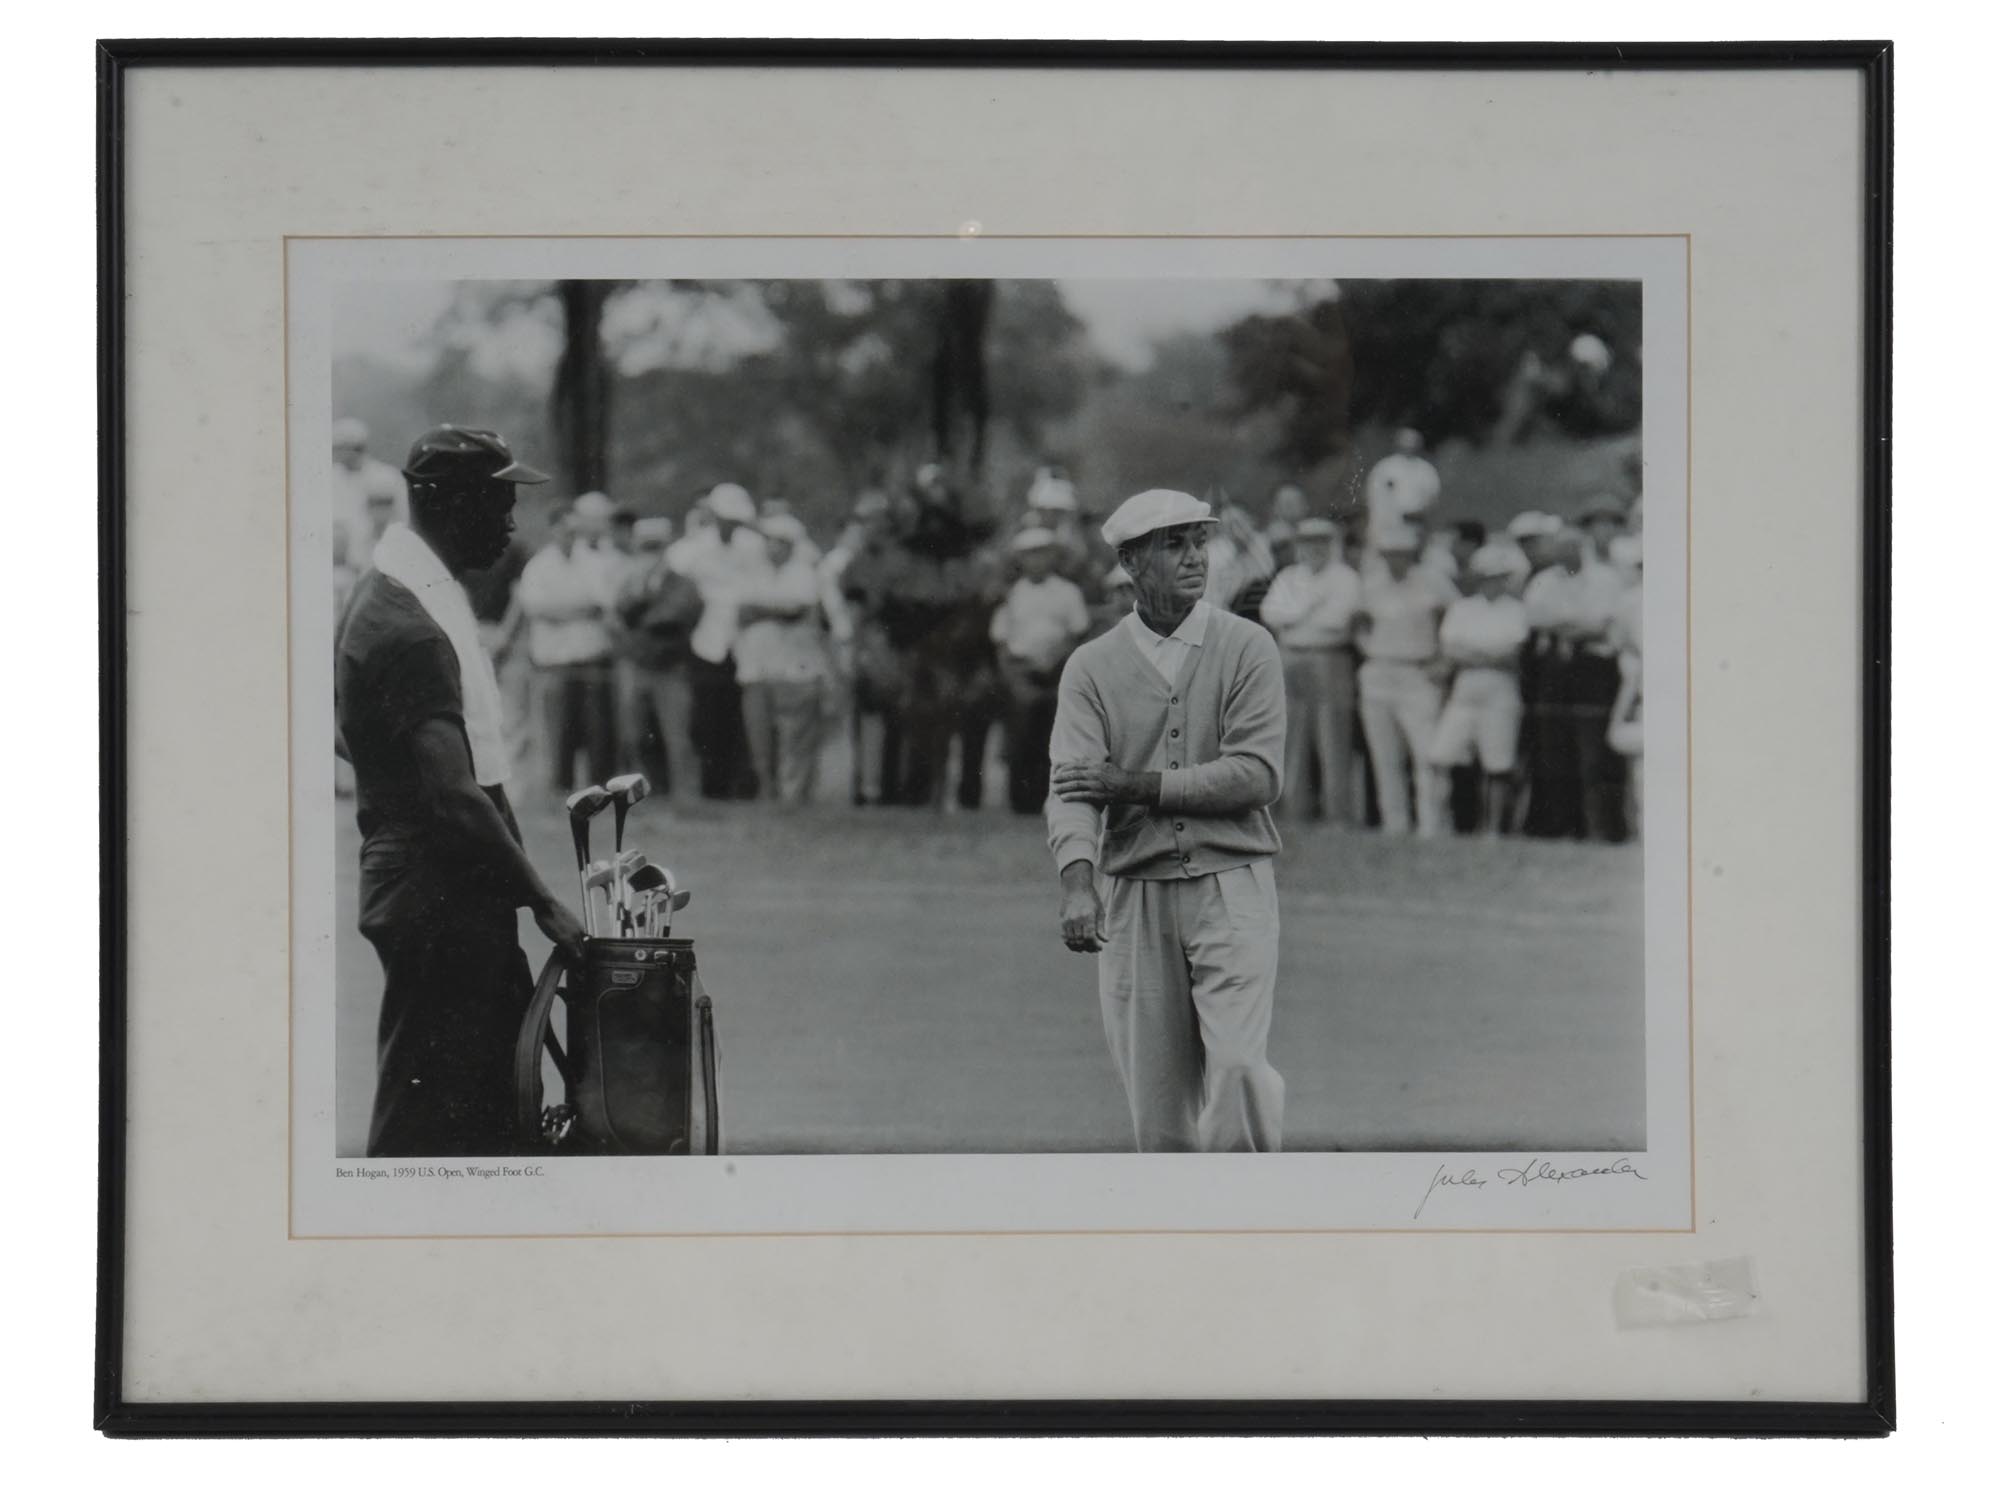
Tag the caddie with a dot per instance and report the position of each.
(1168, 746)
(442, 868)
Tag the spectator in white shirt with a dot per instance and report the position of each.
(1481, 637)
(1400, 680)
(566, 594)
(1310, 608)
(781, 662)
(722, 548)
(1034, 629)
(368, 496)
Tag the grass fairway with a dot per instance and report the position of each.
(891, 980)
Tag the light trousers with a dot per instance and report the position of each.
(1186, 979)
(782, 721)
(1399, 714)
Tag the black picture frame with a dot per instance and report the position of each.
(1873, 1415)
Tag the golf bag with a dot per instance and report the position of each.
(640, 1073)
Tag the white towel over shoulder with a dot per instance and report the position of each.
(407, 558)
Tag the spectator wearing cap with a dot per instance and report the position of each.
(1574, 788)
(1481, 637)
(1448, 552)
(1310, 609)
(1400, 681)
(367, 497)
(443, 872)
(1052, 506)
(1169, 738)
(566, 593)
(1527, 539)
(781, 662)
(1034, 629)
(657, 611)
(719, 553)
(1116, 604)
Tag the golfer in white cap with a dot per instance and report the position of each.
(1168, 743)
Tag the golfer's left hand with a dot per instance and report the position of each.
(1100, 784)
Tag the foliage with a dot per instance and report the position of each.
(1481, 361)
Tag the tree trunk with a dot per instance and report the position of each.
(958, 381)
(581, 399)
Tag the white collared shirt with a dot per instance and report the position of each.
(1041, 622)
(1169, 653)
(555, 586)
(791, 650)
(720, 570)
(1310, 610)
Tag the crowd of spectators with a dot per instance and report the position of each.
(1438, 677)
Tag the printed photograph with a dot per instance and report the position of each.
(802, 717)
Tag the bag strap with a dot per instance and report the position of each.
(534, 1035)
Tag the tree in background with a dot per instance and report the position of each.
(1484, 362)
(580, 395)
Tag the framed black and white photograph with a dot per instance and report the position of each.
(896, 699)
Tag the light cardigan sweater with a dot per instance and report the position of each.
(1216, 736)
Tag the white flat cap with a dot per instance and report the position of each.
(596, 504)
(1317, 528)
(1533, 523)
(1051, 492)
(1152, 510)
(785, 526)
(1494, 560)
(731, 502)
(1031, 537)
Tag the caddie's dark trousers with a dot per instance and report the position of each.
(455, 988)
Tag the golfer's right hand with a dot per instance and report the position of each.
(1082, 918)
(560, 926)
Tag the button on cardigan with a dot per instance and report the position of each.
(1216, 735)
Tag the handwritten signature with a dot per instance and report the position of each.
(1536, 1169)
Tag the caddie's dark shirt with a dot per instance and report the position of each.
(393, 669)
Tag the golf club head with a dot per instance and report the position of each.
(582, 806)
(644, 886)
(675, 902)
(598, 875)
(626, 790)
(632, 787)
